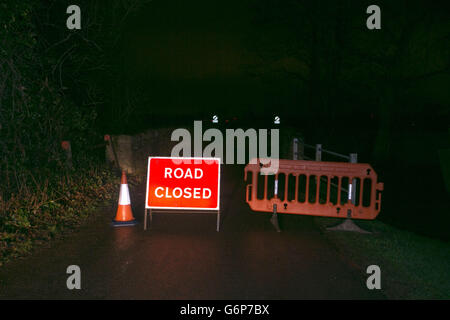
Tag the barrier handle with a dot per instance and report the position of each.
(247, 192)
(380, 187)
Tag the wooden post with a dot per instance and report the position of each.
(68, 151)
(318, 152)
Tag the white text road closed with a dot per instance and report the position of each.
(187, 193)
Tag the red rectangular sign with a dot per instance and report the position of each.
(183, 183)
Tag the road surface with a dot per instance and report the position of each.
(183, 257)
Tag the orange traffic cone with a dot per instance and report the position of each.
(124, 216)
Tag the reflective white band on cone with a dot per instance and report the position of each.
(124, 197)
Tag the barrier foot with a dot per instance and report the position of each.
(348, 225)
(274, 219)
(115, 223)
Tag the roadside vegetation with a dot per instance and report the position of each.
(412, 266)
(50, 93)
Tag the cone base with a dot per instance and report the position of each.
(124, 223)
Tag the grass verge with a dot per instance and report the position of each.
(412, 266)
(51, 207)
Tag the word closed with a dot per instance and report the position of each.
(183, 183)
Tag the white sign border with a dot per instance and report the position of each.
(217, 208)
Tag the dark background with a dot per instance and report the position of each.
(381, 93)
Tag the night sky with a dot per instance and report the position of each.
(259, 58)
(192, 58)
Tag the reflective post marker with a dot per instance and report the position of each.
(352, 186)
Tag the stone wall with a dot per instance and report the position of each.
(133, 151)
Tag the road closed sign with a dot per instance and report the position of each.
(183, 183)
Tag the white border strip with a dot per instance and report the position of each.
(182, 208)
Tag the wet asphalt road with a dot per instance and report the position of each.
(183, 257)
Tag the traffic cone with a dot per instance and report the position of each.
(124, 216)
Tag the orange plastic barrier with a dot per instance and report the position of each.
(318, 188)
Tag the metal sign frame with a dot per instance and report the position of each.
(149, 210)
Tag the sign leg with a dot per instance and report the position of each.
(218, 221)
(145, 219)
